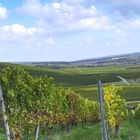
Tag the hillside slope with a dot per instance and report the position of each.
(115, 60)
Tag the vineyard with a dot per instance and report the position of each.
(36, 106)
(69, 70)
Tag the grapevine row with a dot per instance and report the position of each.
(36, 102)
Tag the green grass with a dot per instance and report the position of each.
(130, 93)
(2, 136)
(130, 130)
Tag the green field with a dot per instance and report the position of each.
(130, 130)
(83, 80)
(130, 93)
(87, 76)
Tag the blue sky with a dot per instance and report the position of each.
(66, 30)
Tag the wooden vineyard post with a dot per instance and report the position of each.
(105, 137)
(4, 117)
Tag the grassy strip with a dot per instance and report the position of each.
(130, 93)
(130, 130)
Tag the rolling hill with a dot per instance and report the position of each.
(115, 60)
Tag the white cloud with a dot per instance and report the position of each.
(31, 7)
(63, 16)
(27, 37)
(75, 1)
(67, 26)
(16, 31)
(3, 12)
(124, 2)
(56, 5)
(92, 23)
(134, 23)
(128, 8)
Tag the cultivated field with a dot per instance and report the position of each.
(66, 106)
(83, 80)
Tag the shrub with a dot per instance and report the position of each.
(137, 112)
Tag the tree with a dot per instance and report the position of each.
(115, 108)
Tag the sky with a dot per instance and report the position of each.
(67, 30)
